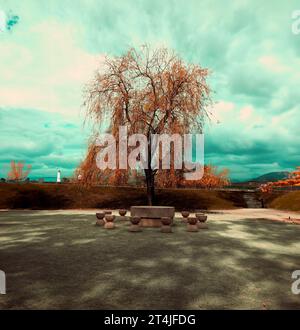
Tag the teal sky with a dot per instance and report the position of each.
(50, 49)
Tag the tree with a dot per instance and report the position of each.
(151, 92)
(292, 180)
(18, 171)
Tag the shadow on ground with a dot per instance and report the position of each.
(56, 260)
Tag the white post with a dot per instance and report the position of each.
(58, 177)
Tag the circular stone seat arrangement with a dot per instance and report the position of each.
(100, 219)
(135, 224)
(166, 225)
(202, 218)
(185, 215)
(100, 216)
(152, 216)
(109, 221)
(192, 224)
(122, 213)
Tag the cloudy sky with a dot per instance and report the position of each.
(50, 49)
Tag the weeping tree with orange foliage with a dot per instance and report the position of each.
(18, 171)
(150, 92)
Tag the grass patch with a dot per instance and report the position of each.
(70, 196)
(286, 201)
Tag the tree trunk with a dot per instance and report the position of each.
(150, 186)
(150, 174)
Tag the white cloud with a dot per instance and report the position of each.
(47, 70)
(221, 110)
(245, 113)
(273, 64)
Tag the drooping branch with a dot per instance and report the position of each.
(149, 91)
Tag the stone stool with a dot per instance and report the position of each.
(201, 220)
(134, 227)
(192, 225)
(122, 213)
(166, 225)
(100, 217)
(185, 215)
(107, 212)
(109, 221)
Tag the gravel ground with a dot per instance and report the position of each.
(60, 259)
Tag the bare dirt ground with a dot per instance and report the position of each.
(60, 259)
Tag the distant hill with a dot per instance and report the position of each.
(272, 176)
(45, 178)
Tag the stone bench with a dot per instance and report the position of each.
(151, 215)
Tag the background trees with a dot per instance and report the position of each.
(151, 92)
(18, 171)
(212, 178)
(292, 180)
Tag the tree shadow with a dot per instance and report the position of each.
(65, 261)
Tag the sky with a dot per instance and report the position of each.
(49, 50)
